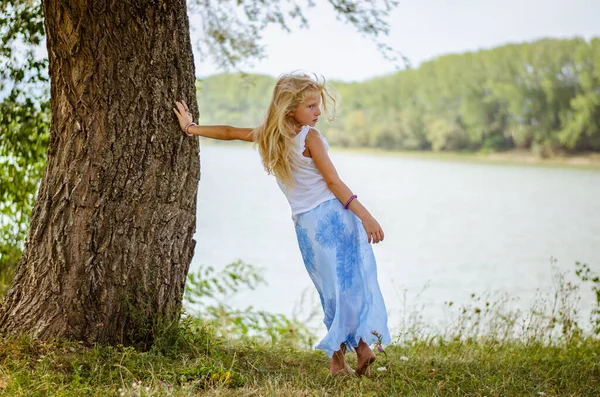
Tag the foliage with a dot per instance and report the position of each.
(542, 96)
(585, 274)
(207, 292)
(24, 124)
(232, 29)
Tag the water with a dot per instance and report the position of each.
(451, 228)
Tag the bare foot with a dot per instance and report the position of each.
(347, 370)
(338, 363)
(366, 357)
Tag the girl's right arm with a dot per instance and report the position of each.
(221, 132)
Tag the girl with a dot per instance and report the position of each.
(334, 229)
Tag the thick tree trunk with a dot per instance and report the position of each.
(110, 241)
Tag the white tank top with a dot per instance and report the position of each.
(309, 189)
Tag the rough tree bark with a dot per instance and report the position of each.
(110, 241)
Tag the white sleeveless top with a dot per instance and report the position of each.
(309, 189)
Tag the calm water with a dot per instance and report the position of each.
(451, 228)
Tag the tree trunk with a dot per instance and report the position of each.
(110, 240)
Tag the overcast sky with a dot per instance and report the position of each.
(421, 30)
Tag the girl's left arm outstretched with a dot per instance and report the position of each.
(318, 152)
(220, 132)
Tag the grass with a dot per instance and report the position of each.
(488, 349)
(193, 361)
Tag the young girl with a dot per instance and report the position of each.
(334, 229)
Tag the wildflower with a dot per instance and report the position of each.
(379, 341)
(403, 358)
(381, 369)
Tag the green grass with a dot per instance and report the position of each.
(487, 349)
(193, 361)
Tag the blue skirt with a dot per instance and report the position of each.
(341, 264)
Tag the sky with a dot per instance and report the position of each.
(419, 29)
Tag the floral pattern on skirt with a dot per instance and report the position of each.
(341, 264)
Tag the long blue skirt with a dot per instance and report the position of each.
(341, 264)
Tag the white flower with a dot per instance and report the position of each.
(541, 393)
(403, 358)
(381, 369)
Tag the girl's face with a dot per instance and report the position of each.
(307, 113)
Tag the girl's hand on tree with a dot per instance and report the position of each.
(183, 114)
(374, 231)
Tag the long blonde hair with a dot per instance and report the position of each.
(275, 136)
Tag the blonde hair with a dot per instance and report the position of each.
(275, 136)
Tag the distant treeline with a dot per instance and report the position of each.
(543, 96)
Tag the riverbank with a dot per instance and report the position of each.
(487, 350)
(195, 362)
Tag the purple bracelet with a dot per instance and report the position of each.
(187, 127)
(350, 200)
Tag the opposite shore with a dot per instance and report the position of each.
(512, 157)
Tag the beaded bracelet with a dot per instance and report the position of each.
(187, 127)
(350, 200)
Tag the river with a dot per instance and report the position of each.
(451, 228)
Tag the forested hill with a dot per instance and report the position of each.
(543, 96)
